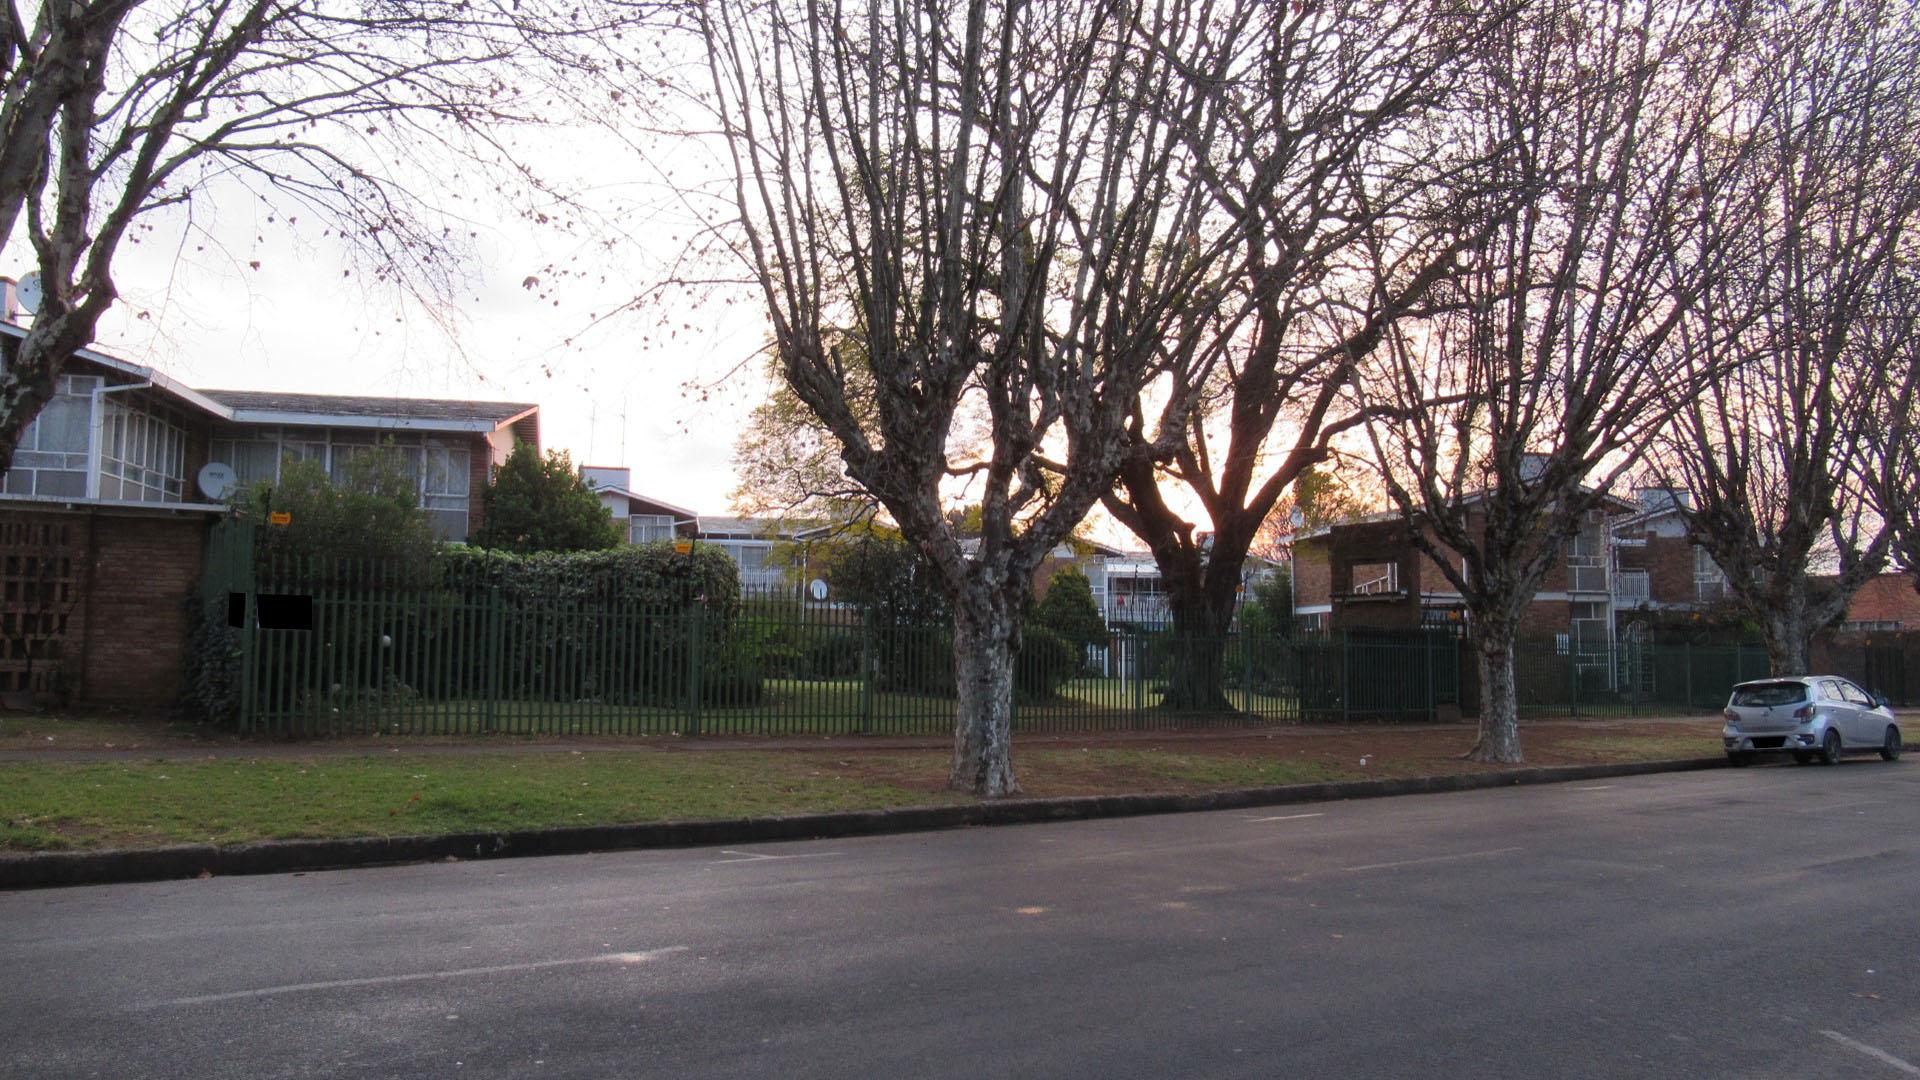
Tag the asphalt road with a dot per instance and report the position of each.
(1751, 923)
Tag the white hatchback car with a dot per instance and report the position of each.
(1810, 716)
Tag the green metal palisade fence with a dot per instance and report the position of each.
(341, 648)
(1631, 679)
(345, 647)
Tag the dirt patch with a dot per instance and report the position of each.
(1192, 761)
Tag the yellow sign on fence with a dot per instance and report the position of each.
(280, 517)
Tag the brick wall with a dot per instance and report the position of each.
(121, 638)
(1545, 618)
(144, 569)
(1668, 561)
(1312, 576)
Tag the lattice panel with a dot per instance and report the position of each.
(39, 589)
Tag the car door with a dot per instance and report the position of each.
(1866, 728)
(1839, 711)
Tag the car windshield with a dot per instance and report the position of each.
(1773, 693)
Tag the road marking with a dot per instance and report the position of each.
(1283, 817)
(1596, 787)
(426, 976)
(1431, 859)
(1874, 1052)
(754, 856)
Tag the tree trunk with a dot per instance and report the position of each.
(1499, 740)
(1197, 676)
(986, 638)
(1789, 641)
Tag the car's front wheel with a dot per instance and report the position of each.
(1890, 746)
(1830, 748)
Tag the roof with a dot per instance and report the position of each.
(138, 371)
(259, 406)
(318, 410)
(1469, 499)
(1886, 598)
(636, 497)
(749, 528)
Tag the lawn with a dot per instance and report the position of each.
(288, 791)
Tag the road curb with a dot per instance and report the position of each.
(47, 869)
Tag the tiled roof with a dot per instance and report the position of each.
(378, 407)
(1887, 598)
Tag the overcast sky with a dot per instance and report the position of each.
(198, 310)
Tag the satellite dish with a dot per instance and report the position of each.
(817, 589)
(27, 292)
(216, 479)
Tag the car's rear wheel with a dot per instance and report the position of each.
(1830, 748)
(1738, 758)
(1890, 746)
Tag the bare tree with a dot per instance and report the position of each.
(1886, 476)
(989, 206)
(1787, 455)
(1509, 411)
(114, 112)
(1352, 214)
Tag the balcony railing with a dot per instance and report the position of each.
(1632, 587)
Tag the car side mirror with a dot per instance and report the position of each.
(1880, 701)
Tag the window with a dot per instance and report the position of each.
(445, 488)
(1592, 628)
(1374, 579)
(1586, 560)
(1709, 582)
(143, 455)
(443, 470)
(1853, 695)
(51, 458)
(650, 528)
(1767, 694)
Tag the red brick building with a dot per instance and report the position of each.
(1369, 574)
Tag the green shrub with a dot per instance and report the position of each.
(1068, 610)
(832, 654)
(635, 577)
(1046, 661)
(543, 504)
(372, 515)
(211, 657)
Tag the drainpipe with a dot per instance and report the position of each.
(96, 424)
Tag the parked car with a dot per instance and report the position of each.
(1809, 716)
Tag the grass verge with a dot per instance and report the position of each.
(63, 805)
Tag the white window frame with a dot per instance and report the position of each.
(32, 459)
(445, 491)
(141, 451)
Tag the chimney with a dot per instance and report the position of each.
(1654, 499)
(606, 476)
